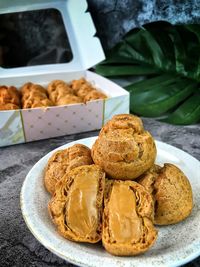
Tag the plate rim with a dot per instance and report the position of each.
(180, 262)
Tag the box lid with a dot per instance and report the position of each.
(86, 47)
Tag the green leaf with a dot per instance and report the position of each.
(196, 30)
(159, 31)
(124, 70)
(149, 84)
(186, 113)
(162, 98)
(167, 52)
(180, 55)
(144, 47)
(117, 59)
(126, 50)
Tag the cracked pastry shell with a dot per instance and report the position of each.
(9, 95)
(171, 191)
(8, 106)
(58, 89)
(94, 95)
(64, 160)
(77, 204)
(34, 95)
(127, 219)
(124, 149)
(69, 99)
(29, 87)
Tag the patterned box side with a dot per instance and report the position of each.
(11, 128)
(58, 121)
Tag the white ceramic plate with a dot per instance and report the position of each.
(176, 244)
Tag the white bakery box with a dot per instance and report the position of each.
(25, 125)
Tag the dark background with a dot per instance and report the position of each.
(39, 37)
(114, 18)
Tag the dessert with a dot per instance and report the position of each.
(58, 93)
(77, 205)
(124, 149)
(57, 89)
(61, 94)
(69, 99)
(85, 90)
(8, 106)
(127, 219)
(87, 206)
(64, 160)
(93, 95)
(9, 97)
(34, 95)
(171, 191)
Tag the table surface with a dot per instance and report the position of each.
(18, 247)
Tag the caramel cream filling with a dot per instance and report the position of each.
(82, 216)
(124, 224)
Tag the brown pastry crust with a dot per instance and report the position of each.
(69, 99)
(85, 90)
(124, 149)
(76, 207)
(55, 84)
(8, 106)
(31, 87)
(9, 95)
(64, 160)
(40, 104)
(127, 219)
(58, 89)
(171, 191)
(148, 178)
(34, 95)
(37, 103)
(76, 85)
(58, 93)
(94, 95)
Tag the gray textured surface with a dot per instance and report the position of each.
(116, 17)
(18, 247)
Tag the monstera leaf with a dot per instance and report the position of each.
(169, 59)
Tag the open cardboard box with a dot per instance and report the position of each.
(25, 125)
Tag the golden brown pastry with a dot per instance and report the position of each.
(171, 191)
(57, 89)
(148, 178)
(8, 106)
(93, 95)
(38, 104)
(64, 160)
(58, 84)
(30, 87)
(76, 85)
(127, 219)
(124, 149)
(76, 207)
(9, 95)
(85, 90)
(69, 99)
(34, 95)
